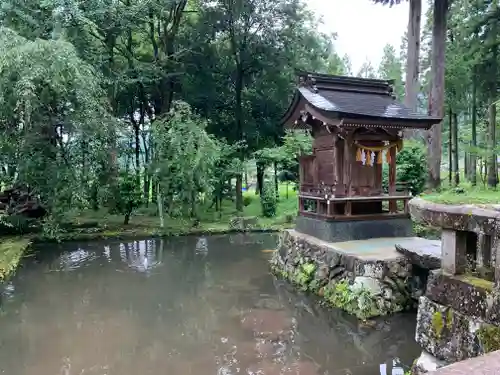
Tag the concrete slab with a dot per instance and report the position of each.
(372, 249)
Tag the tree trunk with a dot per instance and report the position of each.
(159, 200)
(436, 100)
(137, 155)
(413, 59)
(238, 114)
(492, 171)
(239, 193)
(276, 185)
(260, 178)
(454, 144)
(126, 219)
(450, 147)
(147, 179)
(466, 165)
(473, 154)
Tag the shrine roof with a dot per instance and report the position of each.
(340, 97)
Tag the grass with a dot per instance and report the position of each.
(464, 194)
(12, 250)
(90, 225)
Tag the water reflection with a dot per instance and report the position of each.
(193, 305)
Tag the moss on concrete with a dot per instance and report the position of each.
(12, 250)
(489, 337)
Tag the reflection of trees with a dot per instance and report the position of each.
(142, 256)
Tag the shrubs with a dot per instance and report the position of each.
(411, 168)
(127, 196)
(268, 200)
(247, 200)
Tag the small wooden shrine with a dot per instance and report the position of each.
(357, 127)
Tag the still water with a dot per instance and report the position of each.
(185, 306)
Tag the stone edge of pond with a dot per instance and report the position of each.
(365, 289)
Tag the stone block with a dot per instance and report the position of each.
(465, 294)
(454, 251)
(467, 218)
(449, 335)
(422, 252)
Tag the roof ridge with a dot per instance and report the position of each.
(333, 77)
(345, 83)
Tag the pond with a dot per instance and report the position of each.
(182, 306)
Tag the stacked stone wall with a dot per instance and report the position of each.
(364, 288)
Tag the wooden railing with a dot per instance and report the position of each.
(316, 202)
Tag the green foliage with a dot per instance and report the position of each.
(127, 197)
(247, 200)
(304, 276)
(185, 158)
(359, 302)
(49, 102)
(489, 337)
(268, 200)
(411, 168)
(17, 224)
(51, 229)
(391, 68)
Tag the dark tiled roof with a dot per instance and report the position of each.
(358, 97)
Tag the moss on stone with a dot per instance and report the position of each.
(360, 302)
(437, 323)
(304, 275)
(489, 337)
(440, 321)
(476, 281)
(449, 319)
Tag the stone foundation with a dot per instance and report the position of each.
(362, 283)
(337, 231)
(458, 318)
